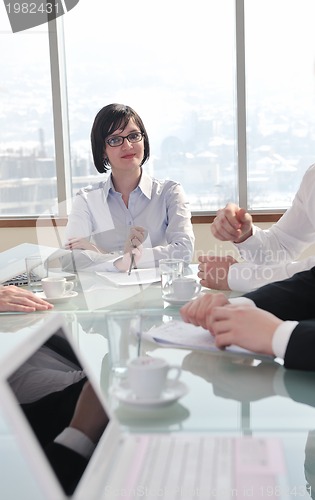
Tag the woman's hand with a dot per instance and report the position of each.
(136, 237)
(15, 299)
(123, 264)
(133, 246)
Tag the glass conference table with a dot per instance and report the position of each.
(228, 394)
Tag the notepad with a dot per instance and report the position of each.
(177, 333)
(136, 277)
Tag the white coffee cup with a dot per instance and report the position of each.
(148, 376)
(186, 288)
(56, 287)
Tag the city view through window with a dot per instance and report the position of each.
(174, 63)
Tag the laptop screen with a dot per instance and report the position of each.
(61, 407)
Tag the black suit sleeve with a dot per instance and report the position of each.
(50, 415)
(290, 299)
(293, 299)
(300, 352)
(67, 464)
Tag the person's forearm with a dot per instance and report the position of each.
(265, 247)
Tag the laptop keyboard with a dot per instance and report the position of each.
(185, 467)
(194, 466)
(174, 467)
(19, 280)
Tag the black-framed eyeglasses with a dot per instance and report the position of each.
(117, 140)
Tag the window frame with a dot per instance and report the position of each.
(62, 221)
(62, 136)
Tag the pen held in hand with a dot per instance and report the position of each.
(131, 263)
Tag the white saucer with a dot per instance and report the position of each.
(172, 392)
(179, 302)
(58, 300)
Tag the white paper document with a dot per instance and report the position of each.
(177, 333)
(136, 277)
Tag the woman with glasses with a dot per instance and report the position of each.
(129, 217)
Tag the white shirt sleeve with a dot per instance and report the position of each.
(240, 301)
(246, 276)
(281, 338)
(294, 232)
(76, 441)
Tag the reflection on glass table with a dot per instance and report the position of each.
(98, 292)
(227, 393)
(223, 390)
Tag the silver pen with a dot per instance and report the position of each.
(131, 263)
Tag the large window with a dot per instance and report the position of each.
(173, 62)
(229, 111)
(27, 148)
(280, 89)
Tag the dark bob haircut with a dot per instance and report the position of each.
(108, 119)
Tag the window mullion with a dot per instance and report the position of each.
(60, 113)
(241, 103)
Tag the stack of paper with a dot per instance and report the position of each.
(177, 333)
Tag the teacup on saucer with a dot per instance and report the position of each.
(185, 289)
(58, 300)
(148, 376)
(56, 287)
(171, 393)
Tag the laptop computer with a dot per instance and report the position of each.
(12, 261)
(123, 465)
